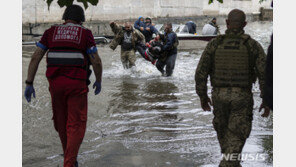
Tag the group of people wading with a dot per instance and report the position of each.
(161, 51)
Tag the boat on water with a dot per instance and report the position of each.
(191, 41)
(187, 41)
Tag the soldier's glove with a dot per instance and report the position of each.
(205, 104)
(266, 110)
(29, 91)
(97, 87)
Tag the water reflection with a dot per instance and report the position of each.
(160, 95)
(125, 97)
(141, 119)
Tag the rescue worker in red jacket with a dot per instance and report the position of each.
(70, 49)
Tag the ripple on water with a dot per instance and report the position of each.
(146, 114)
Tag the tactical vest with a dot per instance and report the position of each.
(233, 64)
(127, 41)
(126, 46)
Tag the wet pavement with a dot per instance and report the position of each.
(140, 118)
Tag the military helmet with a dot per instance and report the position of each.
(74, 12)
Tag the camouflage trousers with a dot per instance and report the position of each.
(233, 115)
(128, 58)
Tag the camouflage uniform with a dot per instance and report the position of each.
(233, 69)
(128, 57)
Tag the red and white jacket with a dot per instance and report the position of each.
(68, 45)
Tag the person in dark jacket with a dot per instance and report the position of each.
(268, 87)
(169, 48)
(139, 24)
(214, 24)
(191, 27)
(149, 30)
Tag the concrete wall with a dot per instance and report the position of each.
(36, 11)
(161, 11)
(100, 28)
(266, 14)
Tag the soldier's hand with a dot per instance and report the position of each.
(142, 28)
(266, 110)
(147, 28)
(205, 104)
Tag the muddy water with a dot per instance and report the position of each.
(141, 118)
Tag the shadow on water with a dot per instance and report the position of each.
(142, 106)
(140, 118)
(144, 121)
(124, 98)
(132, 96)
(160, 93)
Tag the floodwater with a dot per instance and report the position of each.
(141, 118)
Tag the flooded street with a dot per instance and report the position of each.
(140, 118)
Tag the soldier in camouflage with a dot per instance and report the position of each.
(127, 37)
(233, 61)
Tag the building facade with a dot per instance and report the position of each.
(37, 11)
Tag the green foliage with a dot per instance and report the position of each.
(48, 3)
(63, 3)
(221, 1)
(211, 1)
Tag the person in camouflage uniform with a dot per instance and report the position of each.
(233, 61)
(127, 37)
